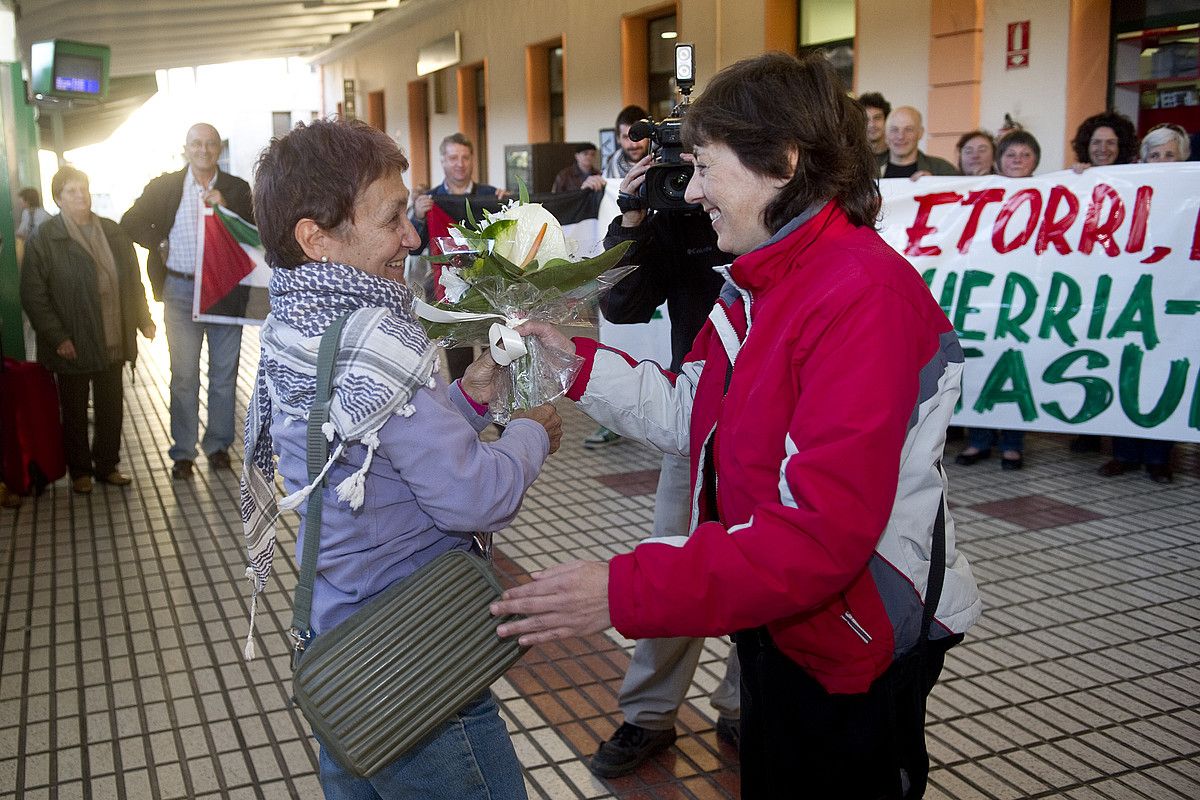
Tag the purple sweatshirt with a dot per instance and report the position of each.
(431, 484)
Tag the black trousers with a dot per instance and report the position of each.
(108, 405)
(800, 741)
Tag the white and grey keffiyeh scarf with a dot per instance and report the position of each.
(383, 359)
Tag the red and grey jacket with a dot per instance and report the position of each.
(827, 448)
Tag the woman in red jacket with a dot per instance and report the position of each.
(813, 407)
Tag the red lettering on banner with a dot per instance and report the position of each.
(1196, 240)
(1031, 196)
(1054, 230)
(921, 228)
(1157, 255)
(1097, 232)
(1137, 222)
(978, 200)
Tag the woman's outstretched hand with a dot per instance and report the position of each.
(546, 416)
(479, 379)
(565, 600)
(548, 334)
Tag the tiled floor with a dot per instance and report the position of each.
(124, 613)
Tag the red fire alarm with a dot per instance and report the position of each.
(1018, 45)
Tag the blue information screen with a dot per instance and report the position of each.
(63, 83)
(80, 74)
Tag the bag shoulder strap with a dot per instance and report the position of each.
(318, 454)
(937, 570)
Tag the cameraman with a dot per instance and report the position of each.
(677, 250)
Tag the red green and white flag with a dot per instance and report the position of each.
(231, 273)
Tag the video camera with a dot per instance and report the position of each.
(667, 179)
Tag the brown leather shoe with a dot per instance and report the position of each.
(1115, 467)
(82, 484)
(116, 478)
(9, 499)
(182, 470)
(220, 460)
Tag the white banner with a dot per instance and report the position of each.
(1076, 297)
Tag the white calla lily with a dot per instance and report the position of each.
(514, 244)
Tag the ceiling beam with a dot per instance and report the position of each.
(32, 10)
(200, 25)
(134, 65)
(138, 37)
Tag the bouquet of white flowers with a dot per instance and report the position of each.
(494, 274)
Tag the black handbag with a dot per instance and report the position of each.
(399, 667)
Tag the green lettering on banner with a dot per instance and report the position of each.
(1097, 392)
(1008, 369)
(972, 279)
(1130, 384)
(1138, 314)
(1058, 316)
(947, 299)
(1099, 306)
(1010, 325)
(927, 276)
(1194, 415)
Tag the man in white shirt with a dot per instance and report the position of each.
(165, 220)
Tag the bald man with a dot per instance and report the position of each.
(165, 220)
(903, 132)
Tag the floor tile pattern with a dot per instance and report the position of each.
(123, 616)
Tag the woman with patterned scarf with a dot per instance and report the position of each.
(408, 477)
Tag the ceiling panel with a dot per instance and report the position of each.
(146, 35)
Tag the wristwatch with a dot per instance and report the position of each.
(630, 202)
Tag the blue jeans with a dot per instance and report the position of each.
(184, 338)
(470, 758)
(984, 438)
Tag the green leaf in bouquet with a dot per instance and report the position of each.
(471, 215)
(497, 228)
(522, 191)
(567, 275)
(498, 265)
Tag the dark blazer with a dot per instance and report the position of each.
(61, 295)
(480, 190)
(152, 216)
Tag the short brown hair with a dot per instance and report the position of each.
(1019, 136)
(317, 171)
(455, 138)
(31, 197)
(60, 179)
(774, 107)
(968, 136)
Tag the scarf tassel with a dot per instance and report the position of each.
(249, 650)
(293, 500)
(352, 489)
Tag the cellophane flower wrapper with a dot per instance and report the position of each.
(480, 279)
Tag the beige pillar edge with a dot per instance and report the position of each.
(1088, 43)
(955, 73)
